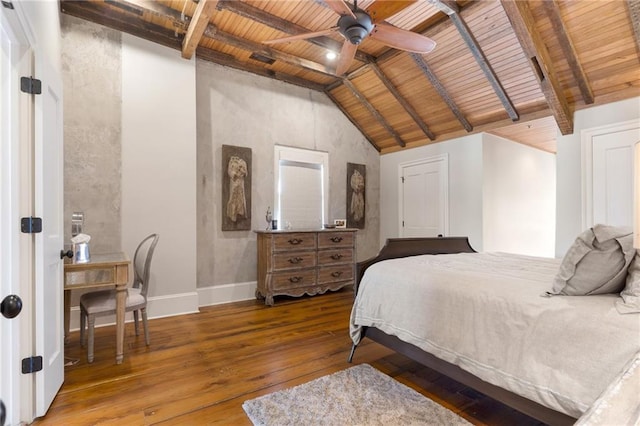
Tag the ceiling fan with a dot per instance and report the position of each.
(357, 24)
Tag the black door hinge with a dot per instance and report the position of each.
(31, 225)
(7, 4)
(30, 85)
(31, 365)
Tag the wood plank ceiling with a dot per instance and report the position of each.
(518, 69)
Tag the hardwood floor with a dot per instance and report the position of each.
(200, 368)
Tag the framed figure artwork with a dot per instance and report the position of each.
(356, 189)
(236, 188)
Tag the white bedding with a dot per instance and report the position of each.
(485, 313)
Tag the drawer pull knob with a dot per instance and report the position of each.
(336, 256)
(336, 239)
(295, 279)
(295, 260)
(336, 274)
(295, 241)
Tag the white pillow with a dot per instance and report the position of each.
(630, 302)
(596, 263)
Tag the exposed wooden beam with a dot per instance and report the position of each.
(153, 8)
(401, 100)
(255, 14)
(350, 117)
(211, 31)
(435, 82)
(229, 61)
(383, 122)
(452, 10)
(131, 24)
(128, 23)
(216, 34)
(552, 10)
(521, 19)
(199, 22)
(634, 13)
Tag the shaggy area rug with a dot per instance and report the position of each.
(359, 395)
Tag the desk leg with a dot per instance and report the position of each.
(67, 313)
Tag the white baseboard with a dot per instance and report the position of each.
(227, 293)
(157, 307)
(178, 304)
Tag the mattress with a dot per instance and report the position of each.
(487, 313)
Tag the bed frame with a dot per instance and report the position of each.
(403, 247)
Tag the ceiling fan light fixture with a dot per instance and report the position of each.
(355, 30)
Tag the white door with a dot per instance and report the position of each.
(16, 193)
(608, 173)
(49, 297)
(424, 205)
(613, 177)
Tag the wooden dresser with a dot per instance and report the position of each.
(295, 263)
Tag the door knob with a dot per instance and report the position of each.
(68, 253)
(3, 413)
(11, 307)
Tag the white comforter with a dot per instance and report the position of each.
(485, 313)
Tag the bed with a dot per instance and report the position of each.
(482, 319)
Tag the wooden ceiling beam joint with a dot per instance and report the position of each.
(197, 26)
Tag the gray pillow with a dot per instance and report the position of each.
(596, 263)
(630, 296)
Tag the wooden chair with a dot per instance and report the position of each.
(100, 303)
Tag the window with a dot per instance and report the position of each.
(301, 188)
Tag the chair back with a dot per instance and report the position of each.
(142, 263)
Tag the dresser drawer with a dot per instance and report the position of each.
(335, 239)
(327, 257)
(293, 279)
(294, 241)
(297, 259)
(327, 274)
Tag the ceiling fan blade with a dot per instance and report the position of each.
(340, 7)
(303, 36)
(347, 54)
(402, 39)
(382, 9)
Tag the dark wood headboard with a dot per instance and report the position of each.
(404, 247)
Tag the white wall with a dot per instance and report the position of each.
(519, 198)
(159, 168)
(569, 168)
(465, 187)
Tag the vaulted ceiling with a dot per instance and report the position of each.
(518, 69)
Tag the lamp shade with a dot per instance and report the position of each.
(636, 196)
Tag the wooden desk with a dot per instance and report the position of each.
(103, 271)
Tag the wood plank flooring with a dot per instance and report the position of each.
(200, 368)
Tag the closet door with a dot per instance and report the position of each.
(609, 173)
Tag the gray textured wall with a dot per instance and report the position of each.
(91, 75)
(237, 108)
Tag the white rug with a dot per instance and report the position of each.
(359, 395)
